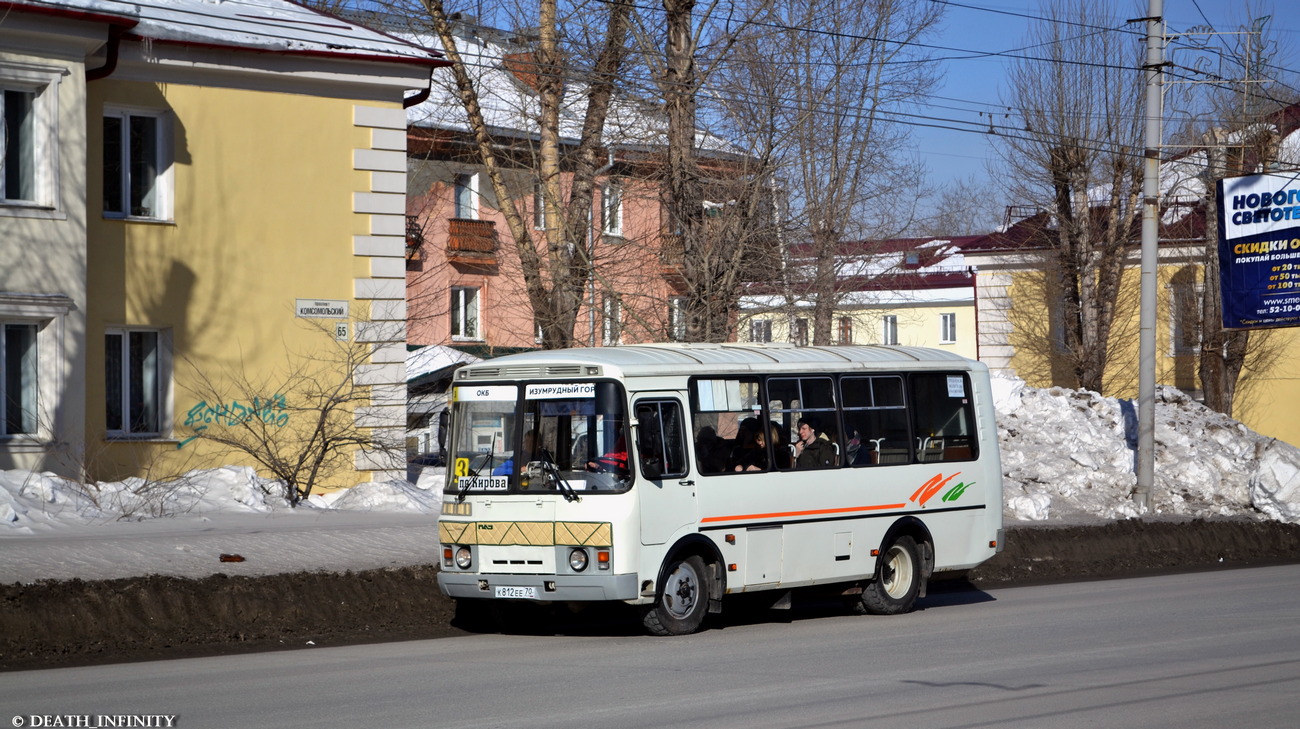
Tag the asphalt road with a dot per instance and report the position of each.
(1192, 650)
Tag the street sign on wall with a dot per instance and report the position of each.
(321, 309)
(1259, 250)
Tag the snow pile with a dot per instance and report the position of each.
(1069, 453)
(39, 502)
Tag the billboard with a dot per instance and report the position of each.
(1259, 250)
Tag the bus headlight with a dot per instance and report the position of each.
(463, 558)
(578, 560)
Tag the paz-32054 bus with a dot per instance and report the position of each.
(668, 476)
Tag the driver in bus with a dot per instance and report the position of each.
(529, 454)
(614, 462)
(813, 449)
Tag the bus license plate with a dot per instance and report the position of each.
(519, 592)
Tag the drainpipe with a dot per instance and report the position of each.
(419, 98)
(975, 299)
(115, 33)
(591, 251)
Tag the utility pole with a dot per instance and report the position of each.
(1146, 455)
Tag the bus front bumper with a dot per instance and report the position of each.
(542, 588)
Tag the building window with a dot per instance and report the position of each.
(18, 378)
(135, 370)
(846, 330)
(947, 328)
(539, 207)
(677, 319)
(464, 313)
(611, 210)
(1185, 315)
(28, 142)
(466, 192)
(801, 332)
(889, 329)
(613, 321)
(136, 165)
(760, 330)
(19, 179)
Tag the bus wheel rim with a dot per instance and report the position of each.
(681, 591)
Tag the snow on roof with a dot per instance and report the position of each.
(498, 64)
(434, 357)
(270, 25)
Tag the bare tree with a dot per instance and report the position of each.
(813, 85)
(556, 265)
(1236, 119)
(717, 197)
(1078, 157)
(305, 425)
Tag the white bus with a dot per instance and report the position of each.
(667, 476)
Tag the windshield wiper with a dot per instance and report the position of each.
(563, 486)
(473, 477)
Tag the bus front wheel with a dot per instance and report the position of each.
(681, 600)
(897, 582)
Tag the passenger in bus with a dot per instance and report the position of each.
(710, 450)
(813, 449)
(780, 449)
(750, 453)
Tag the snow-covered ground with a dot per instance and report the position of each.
(1066, 455)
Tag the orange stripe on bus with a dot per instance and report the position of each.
(811, 512)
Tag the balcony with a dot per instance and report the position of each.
(672, 254)
(471, 242)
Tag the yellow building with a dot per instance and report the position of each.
(1019, 332)
(230, 222)
(912, 292)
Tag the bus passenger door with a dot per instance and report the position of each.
(667, 491)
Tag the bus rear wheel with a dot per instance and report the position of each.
(681, 600)
(897, 582)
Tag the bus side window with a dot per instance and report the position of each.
(661, 447)
(944, 417)
(876, 418)
(718, 406)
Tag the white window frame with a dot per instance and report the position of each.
(163, 180)
(889, 329)
(465, 196)
(465, 319)
(49, 313)
(43, 146)
(800, 335)
(611, 310)
(677, 318)
(760, 330)
(948, 328)
(611, 209)
(161, 387)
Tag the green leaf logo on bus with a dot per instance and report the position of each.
(935, 485)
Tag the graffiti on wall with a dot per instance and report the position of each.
(271, 411)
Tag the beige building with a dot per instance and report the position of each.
(914, 292)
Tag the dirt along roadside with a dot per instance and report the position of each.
(79, 622)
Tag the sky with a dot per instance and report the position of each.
(1066, 457)
(975, 83)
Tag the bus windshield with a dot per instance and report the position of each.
(569, 437)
